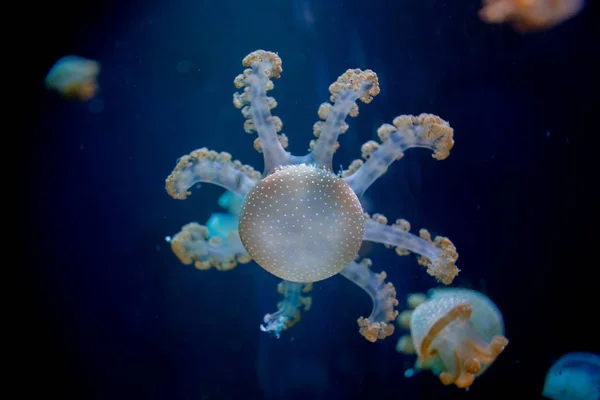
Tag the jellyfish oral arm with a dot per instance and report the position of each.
(208, 166)
(379, 324)
(288, 312)
(256, 106)
(351, 86)
(438, 255)
(192, 245)
(425, 130)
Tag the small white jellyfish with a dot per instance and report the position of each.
(575, 376)
(74, 78)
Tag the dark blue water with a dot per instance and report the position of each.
(118, 317)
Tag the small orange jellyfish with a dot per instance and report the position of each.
(529, 15)
(74, 78)
(457, 333)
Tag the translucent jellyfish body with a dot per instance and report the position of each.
(457, 333)
(575, 376)
(74, 77)
(302, 223)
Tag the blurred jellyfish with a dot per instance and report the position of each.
(221, 224)
(575, 376)
(529, 15)
(74, 78)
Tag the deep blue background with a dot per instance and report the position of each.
(116, 316)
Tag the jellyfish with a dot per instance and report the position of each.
(222, 224)
(74, 78)
(529, 15)
(575, 376)
(298, 219)
(456, 333)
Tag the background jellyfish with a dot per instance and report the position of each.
(575, 376)
(530, 15)
(456, 333)
(74, 78)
